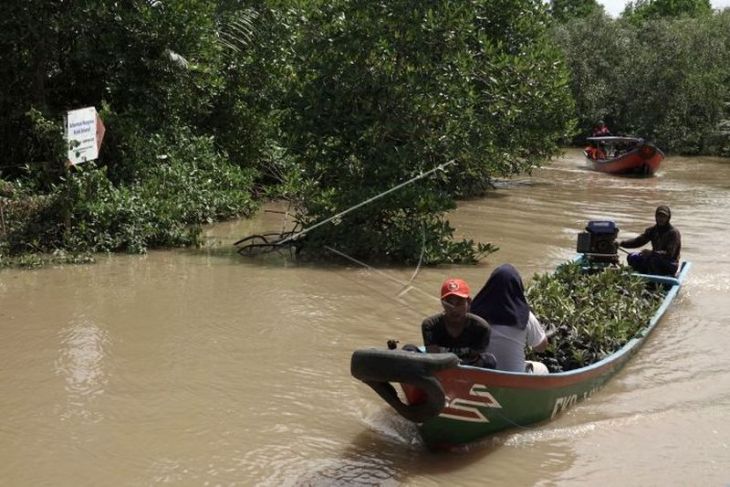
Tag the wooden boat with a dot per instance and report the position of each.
(454, 404)
(623, 155)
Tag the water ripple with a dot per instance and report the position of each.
(81, 362)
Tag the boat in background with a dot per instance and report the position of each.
(623, 155)
(455, 404)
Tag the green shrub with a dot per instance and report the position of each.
(593, 314)
(398, 236)
(182, 183)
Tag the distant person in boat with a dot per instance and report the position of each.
(666, 245)
(601, 129)
(502, 303)
(456, 330)
(596, 152)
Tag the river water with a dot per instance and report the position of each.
(201, 367)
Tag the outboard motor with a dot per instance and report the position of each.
(598, 242)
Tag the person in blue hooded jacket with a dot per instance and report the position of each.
(502, 304)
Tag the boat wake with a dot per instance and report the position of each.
(526, 438)
(394, 428)
(572, 432)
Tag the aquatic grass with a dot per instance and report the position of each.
(37, 260)
(592, 314)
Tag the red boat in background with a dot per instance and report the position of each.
(623, 155)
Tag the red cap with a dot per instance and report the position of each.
(456, 287)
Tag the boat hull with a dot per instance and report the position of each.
(483, 402)
(643, 161)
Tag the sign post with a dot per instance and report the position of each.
(84, 133)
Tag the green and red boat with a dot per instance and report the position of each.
(455, 404)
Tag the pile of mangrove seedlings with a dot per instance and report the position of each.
(592, 314)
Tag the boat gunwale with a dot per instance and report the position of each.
(616, 138)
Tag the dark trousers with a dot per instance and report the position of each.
(652, 264)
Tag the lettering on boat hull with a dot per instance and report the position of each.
(563, 403)
(462, 409)
(566, 402)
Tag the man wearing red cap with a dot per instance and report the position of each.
(456, 330)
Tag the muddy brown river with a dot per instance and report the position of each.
(199, 367)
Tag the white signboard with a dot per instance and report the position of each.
(81, 135)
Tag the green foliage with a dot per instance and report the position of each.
(47, 140)
(384, 91)
(256, 72)
(159, 64)
(33, 261)
(178, 102)
(667, 80)
(564, 10)
(401, 236)
(594, 315)
(155, 59)
(184, 183)
(643, 10)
